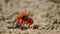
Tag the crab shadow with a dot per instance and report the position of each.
(21, 28)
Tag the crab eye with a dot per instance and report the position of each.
(25, 18)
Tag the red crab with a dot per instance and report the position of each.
(23, 20)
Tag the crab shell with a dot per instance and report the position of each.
(22, 22)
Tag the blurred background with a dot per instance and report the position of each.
(45, 13)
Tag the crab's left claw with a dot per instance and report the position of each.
(14, 22)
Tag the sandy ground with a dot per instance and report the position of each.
(45, 13)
